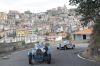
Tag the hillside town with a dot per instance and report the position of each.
(49, 33)
(32, 27)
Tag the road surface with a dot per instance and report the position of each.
(59, 58)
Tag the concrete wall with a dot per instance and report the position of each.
(9, 47)
(80, 37)
(88, 37)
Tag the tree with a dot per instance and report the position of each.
(68, 36)
(90, 11)
(47, 33)
(0, 37)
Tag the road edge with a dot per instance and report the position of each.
(7, 56)
(85, 58)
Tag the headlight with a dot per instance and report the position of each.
(43, 50)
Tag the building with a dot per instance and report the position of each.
(82, 34)
(3, 16)
(1, 34)
(21, 32)
(31, 32)
(13, 15)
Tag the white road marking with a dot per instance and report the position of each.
(85, 58)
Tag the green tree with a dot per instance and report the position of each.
(68, 36)
(90, 11)
(0, 37)
(47, 33)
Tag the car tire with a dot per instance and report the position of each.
(30, 59)
(57, 48)
(73, 47)
(65, 47)
(49, 61)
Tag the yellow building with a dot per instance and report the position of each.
(3, 16)
(1, 34)
(21, 32)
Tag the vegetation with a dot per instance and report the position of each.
(47, 33)
(0, 37)
(68, 36)
(23, 43)
(90, 11)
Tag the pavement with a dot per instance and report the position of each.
(59, 58)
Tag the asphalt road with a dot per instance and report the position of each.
(59, 58)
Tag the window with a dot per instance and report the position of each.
(84, 37)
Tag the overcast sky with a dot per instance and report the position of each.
(35, 6)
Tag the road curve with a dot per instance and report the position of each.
(59, 58)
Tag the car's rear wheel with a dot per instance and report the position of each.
(72, 47)
(57, 48)
(49, 61)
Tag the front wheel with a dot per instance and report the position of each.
(30, 59)
(65, 47)
(73, 47)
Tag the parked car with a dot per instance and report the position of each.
(40, 53)
(65, 45)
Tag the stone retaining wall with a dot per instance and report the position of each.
(8, 47)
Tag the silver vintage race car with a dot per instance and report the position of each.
(40, 53)
(65, 45)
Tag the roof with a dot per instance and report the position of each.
(84, 31)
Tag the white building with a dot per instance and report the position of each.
(82, 35)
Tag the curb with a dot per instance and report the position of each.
(84, 58)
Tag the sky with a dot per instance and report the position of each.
(35, 6)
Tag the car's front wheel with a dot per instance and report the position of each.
(65, 47)
(30, 59)
(73, 47)
(49, 61)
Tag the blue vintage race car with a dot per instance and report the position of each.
(40, 53)
(65, 45)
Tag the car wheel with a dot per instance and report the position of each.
(73, 47)
(49, 61)
(57, 48)
(65, 47)
(30, 59)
